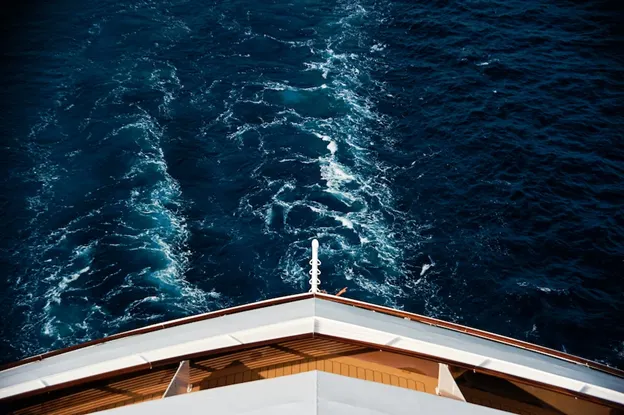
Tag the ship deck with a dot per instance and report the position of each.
(271, 361)
(309, 333)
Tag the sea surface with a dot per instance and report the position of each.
(460, 159)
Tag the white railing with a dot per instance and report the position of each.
(315, 272)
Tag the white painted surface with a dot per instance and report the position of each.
(446, 384)
(180, 382)
(314, 271)
(309, 316)
(310, 393)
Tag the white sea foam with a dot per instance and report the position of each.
(332, 147)
(346, 222)
(57, 267)
(335, 174)
(157, 199)
(169, 236)
(378, 47)
(349, 171)
(167, 82)
(424, 269)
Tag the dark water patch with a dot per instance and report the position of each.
(457, 159)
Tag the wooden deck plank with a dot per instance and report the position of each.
(377, 377)
(361, 373)
(344, 369)
(403, 382)
(256, 374)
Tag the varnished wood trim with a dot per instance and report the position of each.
(342, 300)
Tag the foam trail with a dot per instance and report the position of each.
(73, 251)
(349, 171)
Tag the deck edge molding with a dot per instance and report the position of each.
(287, 328)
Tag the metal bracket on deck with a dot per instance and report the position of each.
(180, 383)
(446, 384)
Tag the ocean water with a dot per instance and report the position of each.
(460, 159)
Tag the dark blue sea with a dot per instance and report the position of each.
(459, 159)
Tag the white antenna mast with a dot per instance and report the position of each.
(315, 272)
